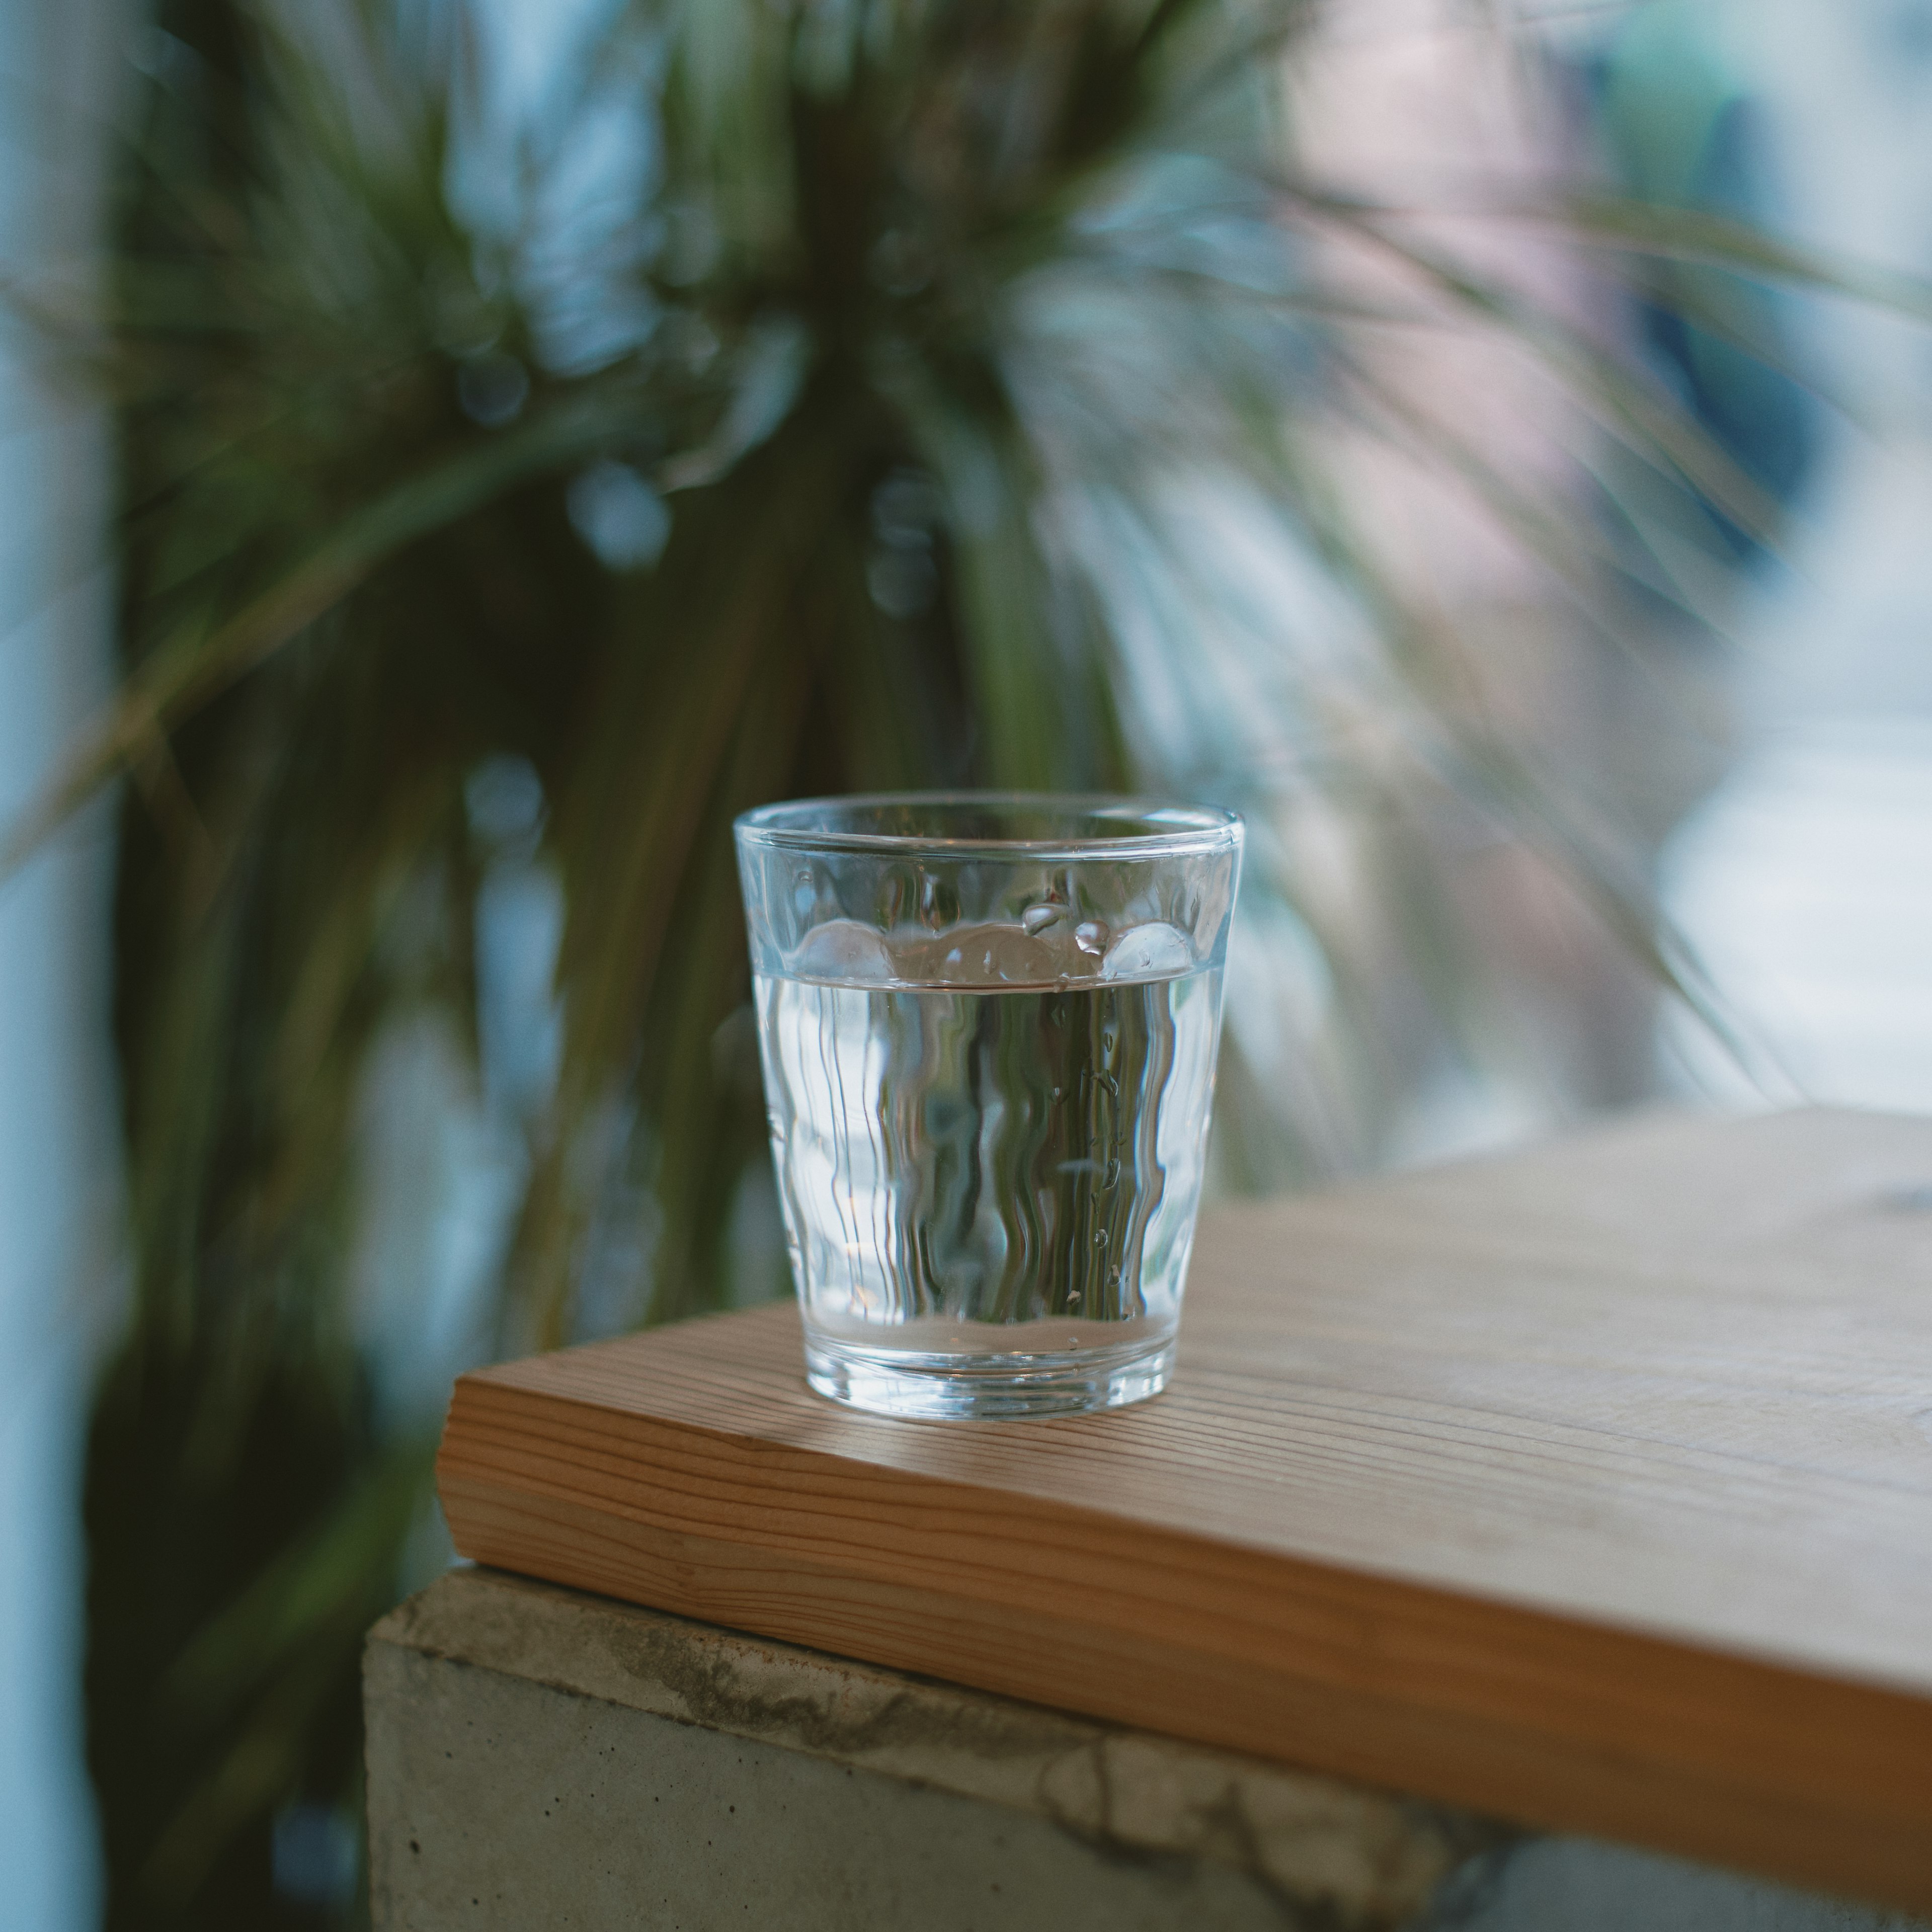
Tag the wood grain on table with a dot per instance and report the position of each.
(1592, 1487)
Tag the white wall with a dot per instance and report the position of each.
(1805, 881)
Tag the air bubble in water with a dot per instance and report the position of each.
(844, 951)
(978, 955)
(1037, 918)
(1091, 937)
(1155, 951)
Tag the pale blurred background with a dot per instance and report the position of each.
(1794, 837)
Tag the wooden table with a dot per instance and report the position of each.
(1591, 1488)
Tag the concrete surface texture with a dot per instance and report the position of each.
(538, 1757)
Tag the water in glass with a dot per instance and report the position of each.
(989, 1145)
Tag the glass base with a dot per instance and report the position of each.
(899, 1381)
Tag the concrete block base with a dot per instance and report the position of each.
(542, 1758)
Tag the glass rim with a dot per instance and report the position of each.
(1176, 829)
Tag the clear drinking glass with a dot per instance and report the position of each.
(989, 1025)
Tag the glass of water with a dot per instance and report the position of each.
(988, 1023)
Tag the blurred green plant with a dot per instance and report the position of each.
(807, 398)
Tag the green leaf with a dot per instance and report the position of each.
(195, 666)
(1716, 242)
